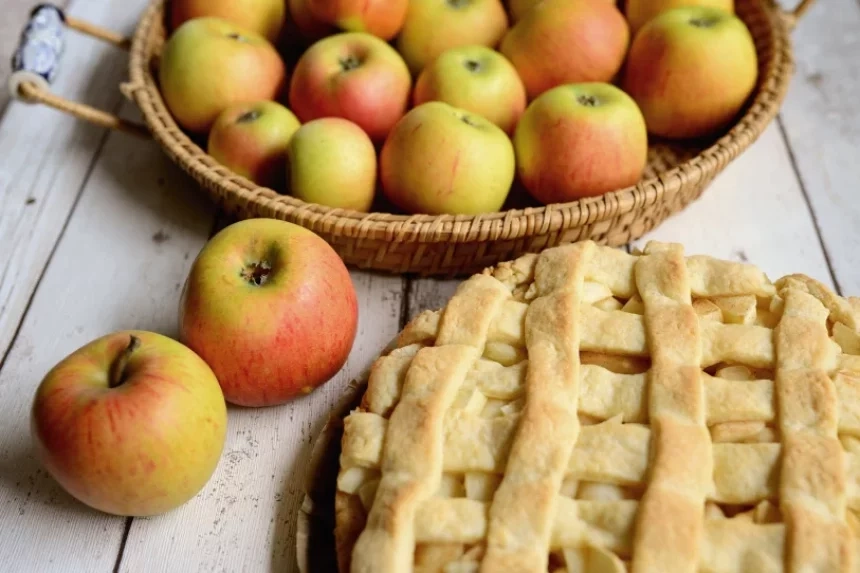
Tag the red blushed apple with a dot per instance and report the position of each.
(271, 308)
(251, 140)
(382, 18)
(355, 76)
(580, 140)
(132, 423)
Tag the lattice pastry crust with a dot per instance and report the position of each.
(590, 410)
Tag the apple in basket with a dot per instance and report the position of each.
(332, 162)
(209, 64)
(355, 76)
(270, 306)
(639, 12)
(434, 26)
(443, 160)
(263, 17)
(251, 139)
(567, 41)
(382, 18)
(580, 140)
(691, 70)
(304, 24)
(132, 423)
(477, 79)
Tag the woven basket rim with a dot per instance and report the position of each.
(509, 224)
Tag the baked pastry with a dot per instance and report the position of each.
(590, 410)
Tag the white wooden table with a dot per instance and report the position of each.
(98, 229)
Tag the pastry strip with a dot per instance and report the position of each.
(524, 506)
(670, 518)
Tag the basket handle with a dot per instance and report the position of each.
(792, 16)
(36, 61)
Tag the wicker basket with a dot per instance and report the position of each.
(457, 245)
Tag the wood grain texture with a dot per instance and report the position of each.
(428, 294)
(821, 119)
(46, 158)
(245, 518)
(753, 212)
(120, 264)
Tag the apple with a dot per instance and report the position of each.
(638, 12)
(271, 308)
(332, 161)
(132, 423)
(580, 140)
(433, 26)
(440, 159)
(691, 70)
(518, 8)
(567, 41)
(477, 79)
(209, 64)
(251, 140)
(355, 76)
(302, 20)
(382, 18)
(263, 17)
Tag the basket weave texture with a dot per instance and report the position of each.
(458, 245)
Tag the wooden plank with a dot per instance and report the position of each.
(120, 264)
(245, 518)
(755, 212)
(429, 294)
(15, 14)
(47, 156)
(821, 119)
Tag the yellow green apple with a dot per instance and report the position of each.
(332, 161)
(567, 41)
(209, 64)
(638, 12)
(691, 70)
(132, 423)
(580, 140)
(353, 75)
(382, 18)
(263, 17)
(251, 140)
(434, 26)
(477, 79)
(271, 308)
(443, 160)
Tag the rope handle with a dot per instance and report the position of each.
(36, 62)
(792, 16)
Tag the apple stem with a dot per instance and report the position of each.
(117, 369)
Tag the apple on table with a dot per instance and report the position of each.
(209, 64)
(434, 26)
(691, 70)
(477, 79)
(355, 76)
(270, 306)
(132, 423)
(263, 17)
(443, 160)
(580, 140)
(251, 139)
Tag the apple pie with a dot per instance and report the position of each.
(591, 410)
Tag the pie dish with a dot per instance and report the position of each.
(591, 410)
